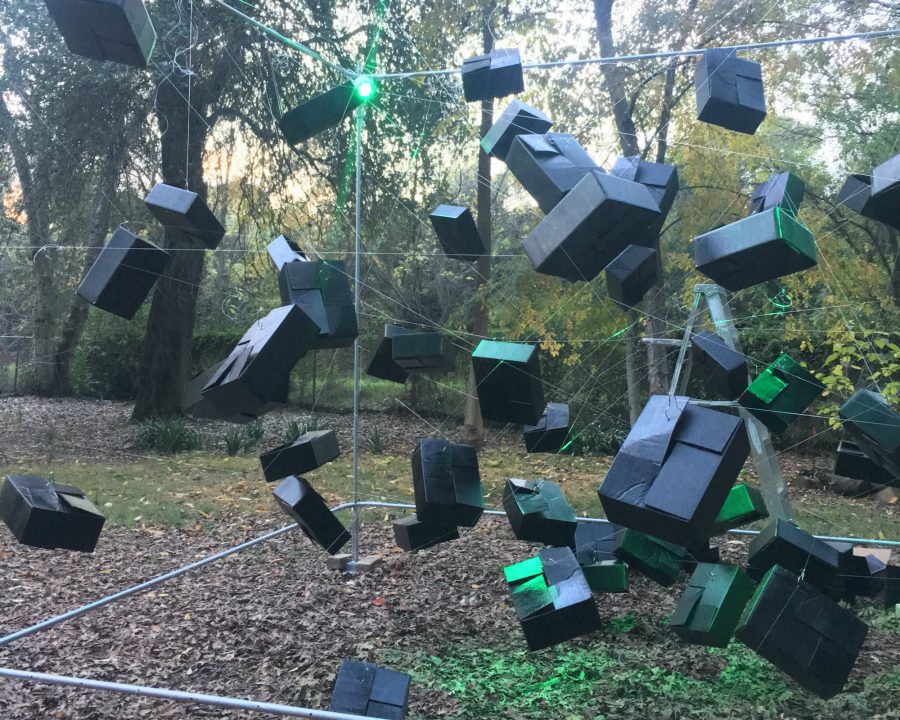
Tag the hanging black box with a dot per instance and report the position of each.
(856, 194)
(447, 483)
(308, 509)
(764, 246)
(48, 515)
(598, 219)
(784, 190)
(362, 688)
(321, 288)
(114, 30)
(657, 559)
(660, 179)
(552, 598)
(517, 118)
(595, 550)
(457, 233)
(508, 381)
(123, 274)
(495, 75)
(886, 181)
(256, 371)
(184, 211)
(781, 393)
(308, 452)
(674, 470)
(422, 352)
(729, 91)
(319, 113)
(801, 632)
(851, 462)
(194, 403)
(549, 166)
(551, 432)
(382, 364)
(412, 534)
(283, 250)
(783, 543)
(538, 511)
(631, 274)
(859, 579)
(710, 608)
(743, 505)
(723, 370)
(875, 427)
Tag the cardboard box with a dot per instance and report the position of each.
(710, 608)
(307, 508)
(781, 393)
(508, 381)
(538, 511)
(729, 91)
(308, 452)
(447, 483)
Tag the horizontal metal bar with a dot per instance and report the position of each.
(670, 342)
(177, 695)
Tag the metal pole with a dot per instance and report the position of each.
(359, 117)
(178, 695)
(16, 371)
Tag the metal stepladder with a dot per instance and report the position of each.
(771, 481)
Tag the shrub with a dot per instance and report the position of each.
(596, 439)
(375, 443)
(107, 358)
(234, 441)
(167, 435)
(253, 434)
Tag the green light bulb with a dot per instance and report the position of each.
(365, 87)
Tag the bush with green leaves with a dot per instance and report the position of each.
(107, 359)
(597, 439)
(167, 435)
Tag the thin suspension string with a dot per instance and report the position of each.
(187, 115)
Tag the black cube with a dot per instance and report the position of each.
(123, 274)
(551, 433)
(48, 515)
(422, 352)
(803, 633)
(784, 190)
(457, 232)
(886, 180)
(447, 483)
(308, 452)
(729, 91)
(724, 371)
(308, 509)
(851, 462)
(113, 30)
(413, 534)
(382, 364)
(362, 688)
(494, 75)
(549, 166)
(856, 194)
(321, 288)
(319, 113)
(660, 179)
(184, 211)
(598, 219)
(538, 511)
(631, 274)
(196, 404)
(508, 381)
(517, 118)
(875, 427)
(674, 471)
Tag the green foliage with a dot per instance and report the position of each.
(374, 443)
(597, 438)
(167, 435)
(106, 362)
(291, 431)
(253, 433)
(234, 441)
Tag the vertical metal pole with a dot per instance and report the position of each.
(359, 116)
(685, 342)
(16, 371)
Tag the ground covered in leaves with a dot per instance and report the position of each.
(273, 624)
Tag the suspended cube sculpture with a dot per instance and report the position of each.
(49, 515)
(784, 190)
(724, 370)
(196, 404)
(457, 233)
(597, 219)
(765, 246)
(782, 543)
(300, 501)
(494, 75)
(538, 511)
(382, 364)
(114, 30)
(256, 372)
(319, 113)
(851, 462)
(660, 179)
(422, 352)
(321, 288)
(803, 633)
(508, 380)
(781, 393)
(871, 422)
(413, 534)
(549, 166)
(517, 118)
(447, 483)
(308, 452)
(743, 505)
(674, 470)
(363, 688)
(595, 550)
(856, 194)
(886, 180)
(185, 212)
(710, 608)
(631, 274)
(729, 91)
(123, 274)
(656, 559)
(552, 598)
(551, 432)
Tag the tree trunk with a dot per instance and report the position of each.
(473, 425)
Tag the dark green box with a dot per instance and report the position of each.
(781, 392)
(657, 559)
(743, 505)
(711, 606)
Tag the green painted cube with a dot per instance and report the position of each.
(606, 576)
(710, 607)
(781, 392)
(742, 506)
(657, 559)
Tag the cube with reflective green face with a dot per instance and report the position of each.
(743, 505)
(657, 559)
(710, 607)
(508, 381)
(781, 393)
